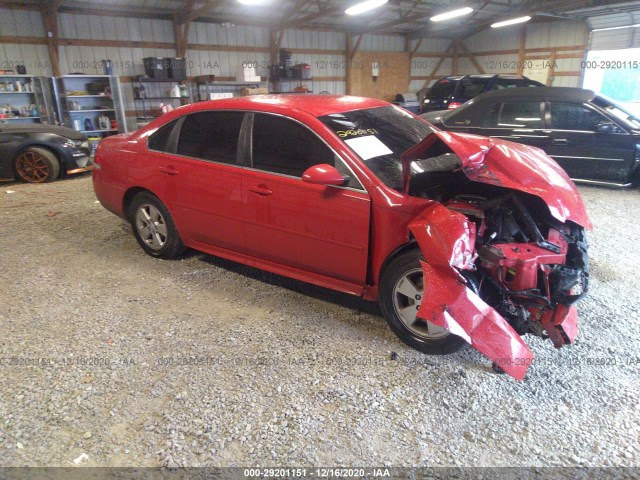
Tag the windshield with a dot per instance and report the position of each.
(617, 111)
(379, 136)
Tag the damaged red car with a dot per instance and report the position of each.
(462, 239)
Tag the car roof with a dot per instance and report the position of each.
(485, 75)
(539, 93)
(316, 105)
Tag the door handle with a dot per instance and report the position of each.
(560, 141)
(169, 170)
(261, 190)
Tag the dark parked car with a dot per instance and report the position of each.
(360, 196)
(41, 153)
(451, 92)
(591, 137)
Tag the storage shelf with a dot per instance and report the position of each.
(96, 110)
(18, 118)
(161, 98)
(16, 93)
(88, 96)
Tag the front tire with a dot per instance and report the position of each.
(154, 228)
(36, 165)
(401, 290)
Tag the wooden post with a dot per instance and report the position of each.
(521, 49)
(49, 14)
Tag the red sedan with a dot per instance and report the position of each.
(462, 239)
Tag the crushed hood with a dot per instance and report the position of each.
(510, 165)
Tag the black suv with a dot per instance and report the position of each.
(451, 92)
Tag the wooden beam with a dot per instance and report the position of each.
(356, 46)
(521, 49)
(437, 67)
(551, 71)
(471, 57)
(208, 7)
(415, 48)
(392, 23)
(454, 58)
(24, 40)
(49, 15)
(312, 16)
(181, 24)
(348, 49)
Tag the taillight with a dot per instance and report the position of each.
(453, 105)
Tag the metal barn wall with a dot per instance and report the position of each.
(328, 65)
(553, 51)
(615, 39)
(35, 58)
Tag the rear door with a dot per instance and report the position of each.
(581, 150)
(320, 229)
(516, 121)
(202, 178)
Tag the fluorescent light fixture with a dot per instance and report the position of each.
(635, 25)
(251, 2)
(364, 7)
(452, 14)
(513, 21)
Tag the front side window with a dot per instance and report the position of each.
(570, 116)
(211, 136)
(520, 115)
(285, 147)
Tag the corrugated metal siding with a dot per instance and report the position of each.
(16, 23)
(555, 34)
(313, 39)
(382, 43)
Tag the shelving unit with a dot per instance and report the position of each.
(25, 99)
(206, 88)
(149, 94)
(81, 110)
(289, 85)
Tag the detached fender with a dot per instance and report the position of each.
(447, 240)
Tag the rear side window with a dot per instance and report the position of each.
(472, 87)
(442, 89)
(211, 136)
(502, 83)
(159, 141)
(569, 116)
(520, 115)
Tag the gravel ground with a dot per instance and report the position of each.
(142, 362)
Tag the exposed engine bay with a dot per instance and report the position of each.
(531, 268)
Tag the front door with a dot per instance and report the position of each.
(320, 229)
(581, 150)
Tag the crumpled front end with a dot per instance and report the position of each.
(530, 270)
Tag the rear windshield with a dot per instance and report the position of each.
(379, 136)
(442, 88)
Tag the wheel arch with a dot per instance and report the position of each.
(128, 197)
(410, 245)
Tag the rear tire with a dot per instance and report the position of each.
(36, 165)
(401, 290)
(154, 228)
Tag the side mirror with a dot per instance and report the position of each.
(605, 127)
(324, 174)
